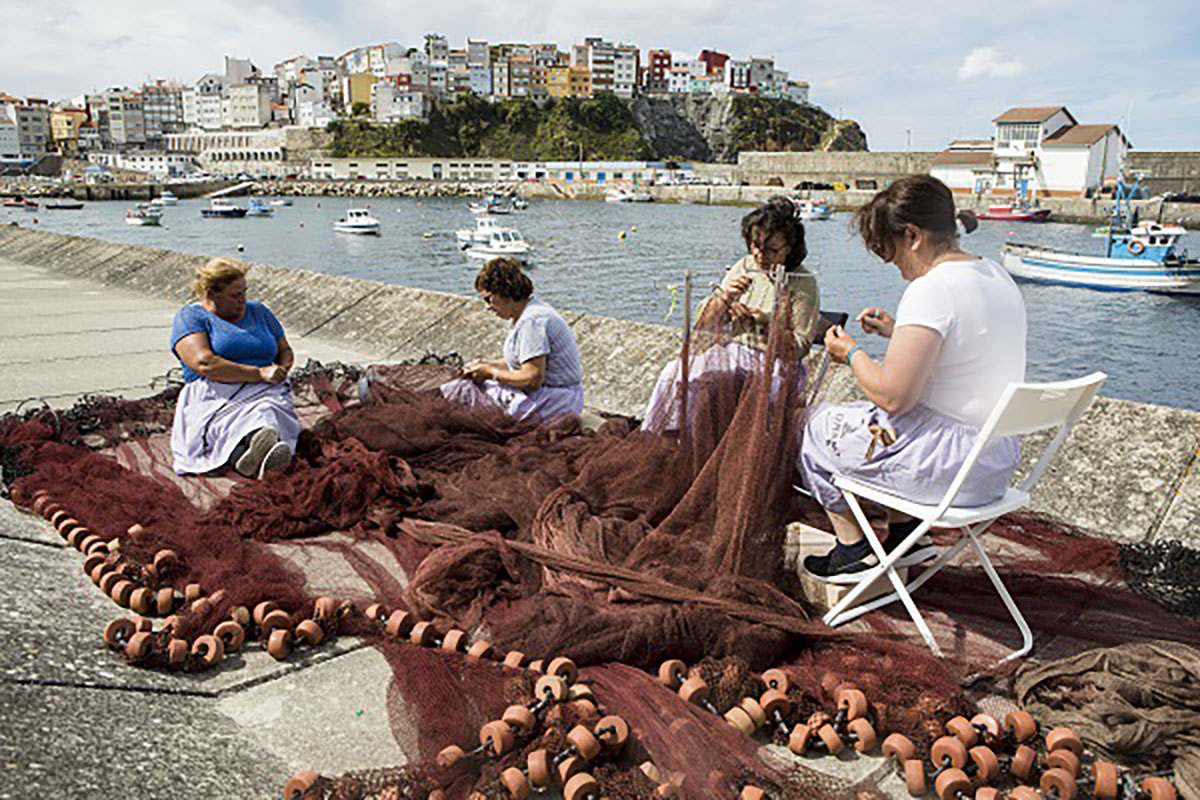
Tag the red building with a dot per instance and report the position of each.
(713, 60)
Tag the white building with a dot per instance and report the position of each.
(31, 121)
(10, 144)
(230, 152)
(626, 59)
(162, 110)
(158, 163)
(797, 92)
(390, 103)
(202, 103)
(1035, 151)
(249, 105)
(239, 70)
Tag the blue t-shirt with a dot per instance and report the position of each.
(542, 332)
(253, 340)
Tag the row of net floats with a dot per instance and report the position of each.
(966, 756)
(973, 754)
(143, 588)
(568, 771)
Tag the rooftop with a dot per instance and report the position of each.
(1075, 135)
(963, 157)
(1033, 114)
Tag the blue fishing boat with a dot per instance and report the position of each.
(1137, 257)
(257, 208)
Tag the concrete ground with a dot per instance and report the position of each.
(75, 720)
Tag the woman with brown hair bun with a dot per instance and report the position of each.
(540, 374)
(236, 405)
(956, 342)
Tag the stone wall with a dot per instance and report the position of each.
(848, 168)
(1125, 472)
(1167, 172)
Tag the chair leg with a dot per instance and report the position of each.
(887, 564)
(1010, 604)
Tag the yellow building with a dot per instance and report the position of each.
(557, 82)
(64, 128)
(579, 81)
(358, 89)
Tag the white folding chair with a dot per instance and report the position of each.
(1022, 408)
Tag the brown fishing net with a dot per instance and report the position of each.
(614, 546)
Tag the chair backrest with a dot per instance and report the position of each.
(1028, 408)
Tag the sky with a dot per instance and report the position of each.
(914, 75)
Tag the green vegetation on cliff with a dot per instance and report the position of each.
(605, 126)
(514, 129)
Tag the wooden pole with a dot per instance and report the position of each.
(685, 359)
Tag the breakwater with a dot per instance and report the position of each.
(1126, 472)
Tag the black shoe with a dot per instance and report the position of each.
(842, 564)
(921, 551)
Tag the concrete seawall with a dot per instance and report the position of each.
(1126, 471)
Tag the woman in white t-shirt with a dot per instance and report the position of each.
(957, 340)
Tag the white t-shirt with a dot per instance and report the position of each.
(978, 310)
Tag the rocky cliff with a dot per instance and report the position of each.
(716, 129)
(691, 127)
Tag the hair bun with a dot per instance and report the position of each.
(968, 219)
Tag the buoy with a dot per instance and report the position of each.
(241, 248)
(633, 228)
(427, 235)
(621, 235)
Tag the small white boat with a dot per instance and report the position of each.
(501, 242)
(626, 194)
(144, 214)
(167, 198)
(357, 220)
(494, 203)
(482, 231)
(257, 208)
(281, 201)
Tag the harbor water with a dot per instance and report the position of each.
(627, 261)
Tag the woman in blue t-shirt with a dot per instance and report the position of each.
(236, 405)
(540, 375)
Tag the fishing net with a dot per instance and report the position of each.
(617, 545)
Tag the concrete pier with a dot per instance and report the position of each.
(80, 315)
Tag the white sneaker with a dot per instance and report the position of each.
(261, 442)
(279, 456)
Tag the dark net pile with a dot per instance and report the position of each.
(614, 547)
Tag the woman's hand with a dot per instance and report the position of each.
(741, 313)
(479, 371)
(275, 373)
(737, 287)
(877, 321)
(838, 343)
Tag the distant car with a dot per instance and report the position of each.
(1181, 197)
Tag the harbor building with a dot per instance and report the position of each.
(1035, 152)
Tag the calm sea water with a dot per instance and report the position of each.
(1147, 344)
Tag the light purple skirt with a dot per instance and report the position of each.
(929, 450)
(212, 417)
(662, 412)
(546, 403)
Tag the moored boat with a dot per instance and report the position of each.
(281, 201)
(357, 220)
(1015, 212)
(501, 242)
(144, 214)
(257, 208)
(1139, 258)
(64, 205)
(167, 198)
(484, 225)
(222, 209)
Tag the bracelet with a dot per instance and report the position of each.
(850, 354)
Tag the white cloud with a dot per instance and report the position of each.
(985, 62)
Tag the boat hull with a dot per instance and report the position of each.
(143, 221)
(483, 251)
(1094, 272)
(224, 213)
(363, 230)
(1032, 215)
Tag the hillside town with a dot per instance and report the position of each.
(161, 127)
